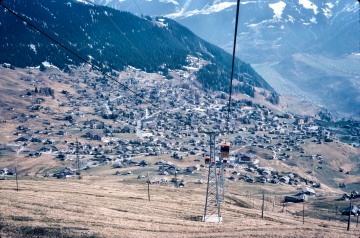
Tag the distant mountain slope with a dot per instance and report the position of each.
(116, 39)
(268, 30)
(274, 31)
(335, 85)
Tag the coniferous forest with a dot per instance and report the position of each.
(113, 39)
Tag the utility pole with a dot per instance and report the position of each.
(349, 218)
(336, 210)
(212, 212)
(263, 204)
(148, 186)
(176, 182)
(16, 173)
(304, 212)
(77, 161)
(274, 203)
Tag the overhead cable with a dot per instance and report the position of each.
(233, 64)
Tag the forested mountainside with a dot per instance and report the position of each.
(114, 39)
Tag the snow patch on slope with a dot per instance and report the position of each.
(169, 1)
(49, 65)
(309, 5)
(205, 11)
(32, 46)
(327, 11)
(278, 9)
(85, 2)
(313, 20)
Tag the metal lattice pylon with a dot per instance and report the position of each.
(221, 182)
(212, 211)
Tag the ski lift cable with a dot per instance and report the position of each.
(123, 34)
(137, 6)
(232, 65)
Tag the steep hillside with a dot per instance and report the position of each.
(274, 31)
(112, 39)
(270, 27)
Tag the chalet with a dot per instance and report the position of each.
(308, 191)
(61, 133)
(232, 177)
(49, 142)
(182, 183)
(144, 163)
(7, 171)
(248, 158)
(190, 170)
(61, 157)
(266, 173)
(284, 179)
(24, 138)
(37, 140)
(94, 135)
(355, 211)
(263, 179)
(299, 120)
(295, 199)
(248, 178)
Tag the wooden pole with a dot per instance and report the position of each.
(274, 203)
(148, 186)
(357, 220)
(336, 209)
(176, 182)
(16, 178)
(263, 205)
(303, 212)
(348, 225)
(253, 205)
(283, 205)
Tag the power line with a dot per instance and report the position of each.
(137, 6)
(233, 63)
(123, 34)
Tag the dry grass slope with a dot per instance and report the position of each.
(105, 207)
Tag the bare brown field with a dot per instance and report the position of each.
(105, 207)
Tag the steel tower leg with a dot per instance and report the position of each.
(221, 183)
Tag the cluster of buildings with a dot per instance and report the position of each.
(113, 123)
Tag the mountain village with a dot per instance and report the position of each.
(114, 127)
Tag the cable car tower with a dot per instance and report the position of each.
(216, 180)
(212, 211)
